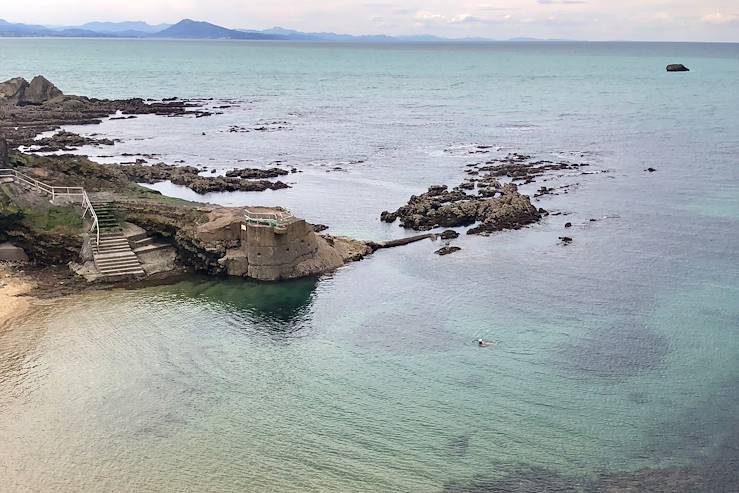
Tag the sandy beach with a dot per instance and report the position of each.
(13, 294)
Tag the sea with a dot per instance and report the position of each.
(616, 357)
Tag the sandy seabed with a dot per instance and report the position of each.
(14, 289)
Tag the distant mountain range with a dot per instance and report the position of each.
(190, 29)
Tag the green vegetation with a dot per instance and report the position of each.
(55, 219)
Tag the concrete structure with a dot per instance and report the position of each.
(3, 152)
(274, 245)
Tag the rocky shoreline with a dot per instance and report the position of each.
(28, 109)
(206, 238)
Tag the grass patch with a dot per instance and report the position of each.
(56, 219)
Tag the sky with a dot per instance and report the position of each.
(647, 20)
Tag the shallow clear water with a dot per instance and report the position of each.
(616, 353)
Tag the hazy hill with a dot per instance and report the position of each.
(190, 29)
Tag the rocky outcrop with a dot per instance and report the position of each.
(447, 250)
(20, 92)
(442, 208)
(68, 141)
(44, 247)
(190, 177)
(11, 91)
(39, 91)
(217, 240)
(28, 109)
(677, 67)
(256, 173)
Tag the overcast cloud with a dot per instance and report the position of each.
(674, 20)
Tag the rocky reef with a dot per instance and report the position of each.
(30, 108)
(500, 208)
(190, 177)
(498, 204)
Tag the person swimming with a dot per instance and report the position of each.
(484, 343)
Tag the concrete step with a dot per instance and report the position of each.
(103, 251)
(109, 267)
(113, 255)
(123, 273)
(119, 260)
(113, 241)
(151, 248)
(142, 242)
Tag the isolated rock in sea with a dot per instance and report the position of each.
(677, 67)
(449, 234)
(566, 240)
(447, 250)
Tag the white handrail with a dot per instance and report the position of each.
(58, 192)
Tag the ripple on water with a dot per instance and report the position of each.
(614, 352)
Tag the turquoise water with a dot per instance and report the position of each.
(615, 355)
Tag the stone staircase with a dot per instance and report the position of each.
(113, 257)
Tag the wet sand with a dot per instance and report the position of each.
(14, 291)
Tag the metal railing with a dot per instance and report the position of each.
(275, 218)
(54, 192)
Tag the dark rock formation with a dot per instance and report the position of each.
(521, 167)
(566, 240)
(449, 234)
(28, 109)
(256, 173)
(39, 91)
(568, 225)
(189, 176)
(68, 141)
(677, 67)
(19, 92)
(441, 208)
(447, 250)
(650, 170)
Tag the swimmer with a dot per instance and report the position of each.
(484, 343)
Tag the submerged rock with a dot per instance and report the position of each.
(447, 250)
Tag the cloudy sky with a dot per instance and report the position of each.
(675, 20)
